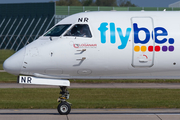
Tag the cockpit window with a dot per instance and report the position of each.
(57, 30)
(79, 30)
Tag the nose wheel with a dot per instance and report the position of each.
(64, 107)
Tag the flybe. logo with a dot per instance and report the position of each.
(160, 35)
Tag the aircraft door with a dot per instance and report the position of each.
(143, 42)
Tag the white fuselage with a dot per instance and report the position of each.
(124, 45)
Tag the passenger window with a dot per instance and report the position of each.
(79, 30)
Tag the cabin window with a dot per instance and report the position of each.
(80, 30)
(58, 30)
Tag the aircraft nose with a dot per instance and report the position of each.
(14, 63)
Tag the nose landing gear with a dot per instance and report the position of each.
(64, 107)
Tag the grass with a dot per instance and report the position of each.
(6, 77)
(9, 78)
(4, 54)
(91, 98)
(128, 81)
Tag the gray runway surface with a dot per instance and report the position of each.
(101, 85)
(91, 114)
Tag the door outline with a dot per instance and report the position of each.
(133, 52)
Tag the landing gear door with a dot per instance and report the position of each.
(143, 42)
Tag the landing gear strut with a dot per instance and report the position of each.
(64, 107)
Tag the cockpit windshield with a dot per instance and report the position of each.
(58, 30)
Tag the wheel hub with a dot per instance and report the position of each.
(64, 108)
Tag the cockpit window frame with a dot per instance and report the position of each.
(64, 31)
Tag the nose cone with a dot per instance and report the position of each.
(14, 63)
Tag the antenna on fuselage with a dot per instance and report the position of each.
(50, 38)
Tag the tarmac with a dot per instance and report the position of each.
(98, 85)
(91, 114)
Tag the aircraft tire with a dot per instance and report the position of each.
(64, 108)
